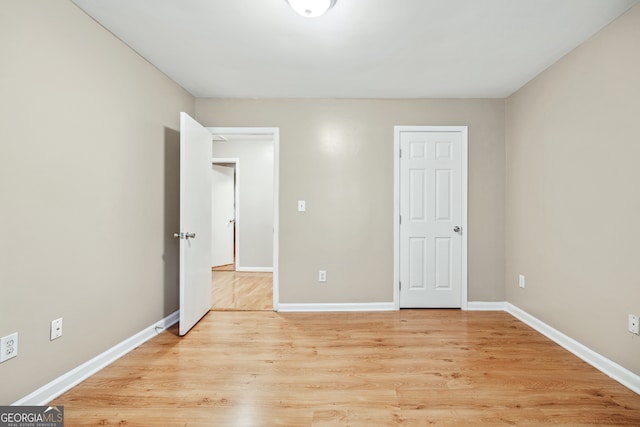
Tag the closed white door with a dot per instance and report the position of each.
(431, 218)
(195, 222)
(223, 215)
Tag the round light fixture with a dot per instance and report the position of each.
(311, 8)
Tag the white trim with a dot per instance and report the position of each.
(224, 159)
(255, 269)
(55, 388)
(219, 130)
(486, 306)
(465, 223)
(276, 218)
(368, 306)
(396, 217)
(606, 366)
(396, 204)
(275, 134)
(236, 204)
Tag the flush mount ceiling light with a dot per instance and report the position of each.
(311, 8)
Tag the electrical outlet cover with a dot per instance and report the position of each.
(56, 329)
(634, 324)
(8, 347)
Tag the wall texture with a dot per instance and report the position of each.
(255, 246)
(89, 190)
(572, 198)
(338, 156)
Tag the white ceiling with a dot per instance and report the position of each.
(359, 49)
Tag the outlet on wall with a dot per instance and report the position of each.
(56, 329)
(8, 347)
(521, 281)
(634, 324)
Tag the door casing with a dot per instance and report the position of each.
(396, 205)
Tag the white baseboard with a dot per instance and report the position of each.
(255, 269)
(55, 388)
(606, 366)
(486, 306)
(369, 306)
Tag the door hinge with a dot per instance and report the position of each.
(400, 283)
(401, 153)
(400, 219)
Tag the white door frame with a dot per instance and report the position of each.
(396, 205)
(275, 134)
(236, 188)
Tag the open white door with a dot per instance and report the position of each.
(195, 222)
(223, 211)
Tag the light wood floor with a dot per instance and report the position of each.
(413, 367)
(233, 290)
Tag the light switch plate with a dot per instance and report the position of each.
(302, 206)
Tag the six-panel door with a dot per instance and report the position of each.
(430, 213)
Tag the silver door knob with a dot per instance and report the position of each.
(190, 235)
(456, 229)
(177, 235)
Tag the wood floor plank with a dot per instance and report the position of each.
(226, 267)
(412, 367)
(233, 290)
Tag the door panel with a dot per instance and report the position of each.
(443, 195)
(430, 251)
(417, 200)
(417, 255)
(195, 222)
(443, 262)
(223, 215)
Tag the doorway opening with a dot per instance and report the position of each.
(430, 210)
(250, 227)
(224, 227)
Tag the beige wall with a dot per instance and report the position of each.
(338, 156)
(572, 201)
(88, 190)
